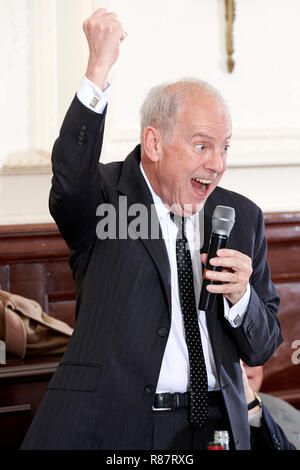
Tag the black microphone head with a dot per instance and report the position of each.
(223, 220)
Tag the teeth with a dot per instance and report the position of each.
(202, 180)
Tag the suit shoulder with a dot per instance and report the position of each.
(238, 201)
(111, 171)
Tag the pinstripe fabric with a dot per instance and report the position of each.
(102, 393)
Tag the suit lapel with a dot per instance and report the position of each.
(133, 185)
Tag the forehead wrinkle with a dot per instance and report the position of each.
(207, 136)
(202, 123)
(206, 120)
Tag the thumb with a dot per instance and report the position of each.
(203, 257)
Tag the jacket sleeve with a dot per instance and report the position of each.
(76, 184)
(269, 436)
(259, 335)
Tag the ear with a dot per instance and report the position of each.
(152, 143)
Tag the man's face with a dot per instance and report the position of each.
(193, 158)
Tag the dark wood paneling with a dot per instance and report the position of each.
(22, 386)
(282, 373)
(63, 310)
(283, 236)
(4, 277)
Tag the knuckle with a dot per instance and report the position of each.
(89, 23)
(110, 14)
(100, 11)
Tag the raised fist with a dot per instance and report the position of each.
(104, 34)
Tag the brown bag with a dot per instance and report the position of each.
(27, 330)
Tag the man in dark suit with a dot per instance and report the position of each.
(274, 423)
(125, 381)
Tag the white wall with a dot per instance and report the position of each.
(43, 57)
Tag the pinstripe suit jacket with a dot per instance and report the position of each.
(102, 392)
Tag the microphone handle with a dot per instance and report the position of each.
(207, 299)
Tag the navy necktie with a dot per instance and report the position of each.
(198, 375)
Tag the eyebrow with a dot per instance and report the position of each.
(206, 136)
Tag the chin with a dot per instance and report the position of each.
(192, 208)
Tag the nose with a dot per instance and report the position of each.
(215, 161)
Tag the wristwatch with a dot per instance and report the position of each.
(256, 402)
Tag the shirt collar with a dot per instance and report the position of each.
(161, 209)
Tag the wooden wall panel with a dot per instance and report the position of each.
(282, 373)
(28, 280)
(4, 277)
(63, 310)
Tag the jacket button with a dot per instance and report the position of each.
(149, 390)
(162, 331)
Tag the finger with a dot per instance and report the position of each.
(222, 276)
(105, 27)
(226, 252)
(103, 13)
(233, 263)
(99, 12)
(111, 15)
(227, 288)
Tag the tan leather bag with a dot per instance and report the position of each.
(27, 330)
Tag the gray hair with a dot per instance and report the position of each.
(163, 102)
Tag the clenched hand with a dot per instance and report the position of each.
(104, 34)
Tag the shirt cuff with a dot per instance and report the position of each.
(255, 419)
(92, 96)
(235, 314)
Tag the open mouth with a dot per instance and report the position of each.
(200, 185)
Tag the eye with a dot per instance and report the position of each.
(200, 146)
(226, 148)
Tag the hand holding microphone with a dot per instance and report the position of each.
(226, 271)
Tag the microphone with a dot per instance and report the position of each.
(222, 223)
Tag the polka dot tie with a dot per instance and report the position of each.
(198, 376)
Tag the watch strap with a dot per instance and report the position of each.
(256, 402)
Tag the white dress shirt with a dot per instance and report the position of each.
(174, 373)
